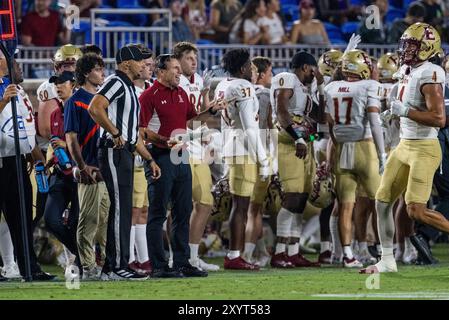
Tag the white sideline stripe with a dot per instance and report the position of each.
(117, 207)
(399, 295)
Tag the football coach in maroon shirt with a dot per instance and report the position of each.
(172, 105)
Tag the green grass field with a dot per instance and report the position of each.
(411, 282)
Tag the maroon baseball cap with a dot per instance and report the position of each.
(307, 4)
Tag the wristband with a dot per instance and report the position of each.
(292, 132)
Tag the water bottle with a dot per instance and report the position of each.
(61, 155)
(41, 177)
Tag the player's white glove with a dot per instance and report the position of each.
(398, 108)
(207, 78)
(264, 170)
(385, 117)
(382, 162)
(353, 42)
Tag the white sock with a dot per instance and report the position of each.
(233, 254)
(335, 235)
(387, 254)
(194, 250)
(280, 248)
(249, 250)
(363, 247)
(325, 246)
(141, 243)
(293, 249)
(296, 226)
(284, 223)
(347, 251)
(132, 242)
(6, 246)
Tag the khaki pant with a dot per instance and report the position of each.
(93, 221)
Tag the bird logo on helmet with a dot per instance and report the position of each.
(356, 62)
(329, 61)
(388, 65)
(67, 54)
(222, 200)
(418, 43)
(323, 193)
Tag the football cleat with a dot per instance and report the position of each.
(11, 271)
(239, 264)
(299, 261)
(281, 260)
(325, 257)
(351, 263)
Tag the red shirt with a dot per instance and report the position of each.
(57, 123)
(171, 105)
(42, 30)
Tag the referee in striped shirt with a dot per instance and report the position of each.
(116, 109)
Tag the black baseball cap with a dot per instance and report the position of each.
(301, 58)
(63, 77)
(130, 52)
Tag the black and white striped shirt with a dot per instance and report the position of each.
(124, 105)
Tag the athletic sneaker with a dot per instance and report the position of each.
(351, 263)
(91, 274)
(11, 271)
(207, 266)
(366, 258)
(125, 274)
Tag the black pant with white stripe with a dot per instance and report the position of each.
(116, 166)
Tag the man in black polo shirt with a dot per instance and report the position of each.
(116, 109)
(173, 107)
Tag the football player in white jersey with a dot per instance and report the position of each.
(243, 148)
(262, 72)
(292, 104)
(192, 83)
(327, 64)
(138, 238)
(354, 105)
(64, 60)
(412, 164)
(388, 65)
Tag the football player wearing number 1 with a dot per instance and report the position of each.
(292, 102)
(354, 105)
(198, 94)
(412, 165)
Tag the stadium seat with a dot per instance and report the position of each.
(349, 28)
(394, 13)
(291, 12)
(406, 3)
(358, 2)
(107, 16)
(135, 19)
(396, 3)
(128, 3)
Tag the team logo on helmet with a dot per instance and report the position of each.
(322, 194)
(418, 43)
(222, 200)
(328, 62)
(357, 62)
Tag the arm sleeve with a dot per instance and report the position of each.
(71, 117)
(251, 128)
(376, 130)
(112, 89)
(146, 109)
(373, 97)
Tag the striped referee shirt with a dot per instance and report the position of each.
(124, 106)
